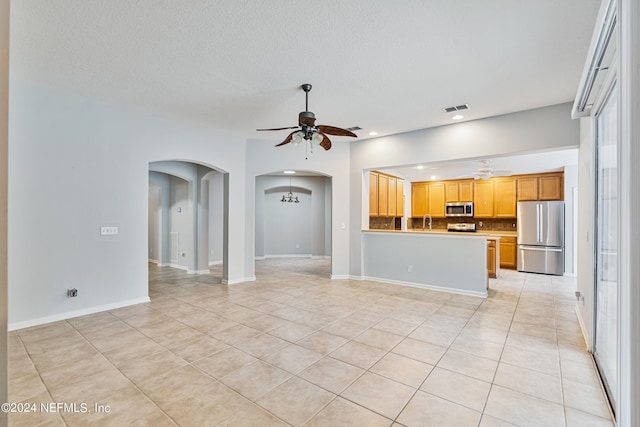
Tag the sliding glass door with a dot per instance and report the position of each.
(606, 286)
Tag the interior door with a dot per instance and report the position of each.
(606, 246)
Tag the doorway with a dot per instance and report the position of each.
(298, 230)
(606, 245)
(187, 208)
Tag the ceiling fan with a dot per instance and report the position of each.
(307, 129)
(485, 171)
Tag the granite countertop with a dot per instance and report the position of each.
(496, 233)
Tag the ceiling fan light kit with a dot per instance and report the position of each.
(308, 131)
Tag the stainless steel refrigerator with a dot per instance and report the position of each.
(541, 237)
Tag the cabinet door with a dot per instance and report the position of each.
(465, 191)
(393, 209)
(505, 197)
(550, 187)
(483, 199)
(508, 252)
(527, 188)
(491, 258)
(400, 196)
(419, 198)
(383, 195)
(436, 199)
(451, 191)
(373, 194)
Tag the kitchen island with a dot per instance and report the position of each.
(438, 260)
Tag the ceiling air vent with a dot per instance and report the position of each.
(352, 128)
(456, 108)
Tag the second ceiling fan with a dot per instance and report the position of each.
(307, 130)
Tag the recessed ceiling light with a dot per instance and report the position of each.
(373, 133)
(458, 117)
(420, 167)
(433, 177)
(289, 172)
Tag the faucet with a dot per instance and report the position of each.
(424, 219)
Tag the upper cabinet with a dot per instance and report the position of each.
(373, 194)
(458, 191)
(386, 195)
(505, 197)
(428, 198)
(483, 199)
(496, 197)
(548, 186)
(419, 198)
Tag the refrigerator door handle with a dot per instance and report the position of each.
(538, 219)
(537, 248)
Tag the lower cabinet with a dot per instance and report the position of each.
(508, 253)
(493, 254)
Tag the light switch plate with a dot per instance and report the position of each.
(108, 231)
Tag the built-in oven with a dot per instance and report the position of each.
(455, 209)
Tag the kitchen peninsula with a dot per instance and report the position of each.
(438, 260)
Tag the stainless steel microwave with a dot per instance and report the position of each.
(458, 209)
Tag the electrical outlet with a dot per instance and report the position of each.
(410, 268)
(72, 292)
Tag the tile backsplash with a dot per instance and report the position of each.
(494, 224)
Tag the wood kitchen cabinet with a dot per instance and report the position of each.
(505, 197)
(483, 199)
(386, 195)
(458, 191)
(508, 253)
(427, 198)
(550, 187)
(373, 194)
(436, 199)
(400, 197)
(540, 187)
(493, 254)
(419, 198)
(391, 197)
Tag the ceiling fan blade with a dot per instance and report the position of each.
(501, 173)
(326, 142)
(287, 139)
(290, 127)
(332, 130)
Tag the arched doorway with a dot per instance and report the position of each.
(187, 209)
(299, 233)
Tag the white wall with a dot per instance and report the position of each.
(92, 162)
(4, 144)
(529, 131)
(288, 226)
(216, 214)
(263, 158)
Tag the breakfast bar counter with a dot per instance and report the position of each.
(439, 260)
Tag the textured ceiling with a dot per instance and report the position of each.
(237, 65)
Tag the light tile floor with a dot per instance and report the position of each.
(295, 348)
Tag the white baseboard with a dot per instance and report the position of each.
(76, 313)
(483, 294)
(236, 281)
(320, 256)
(340, 277)
(178, 266)
(198, 271)
(583, 328)
(153, 261)
(215, 263)
(260, 258)
(288, 256)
